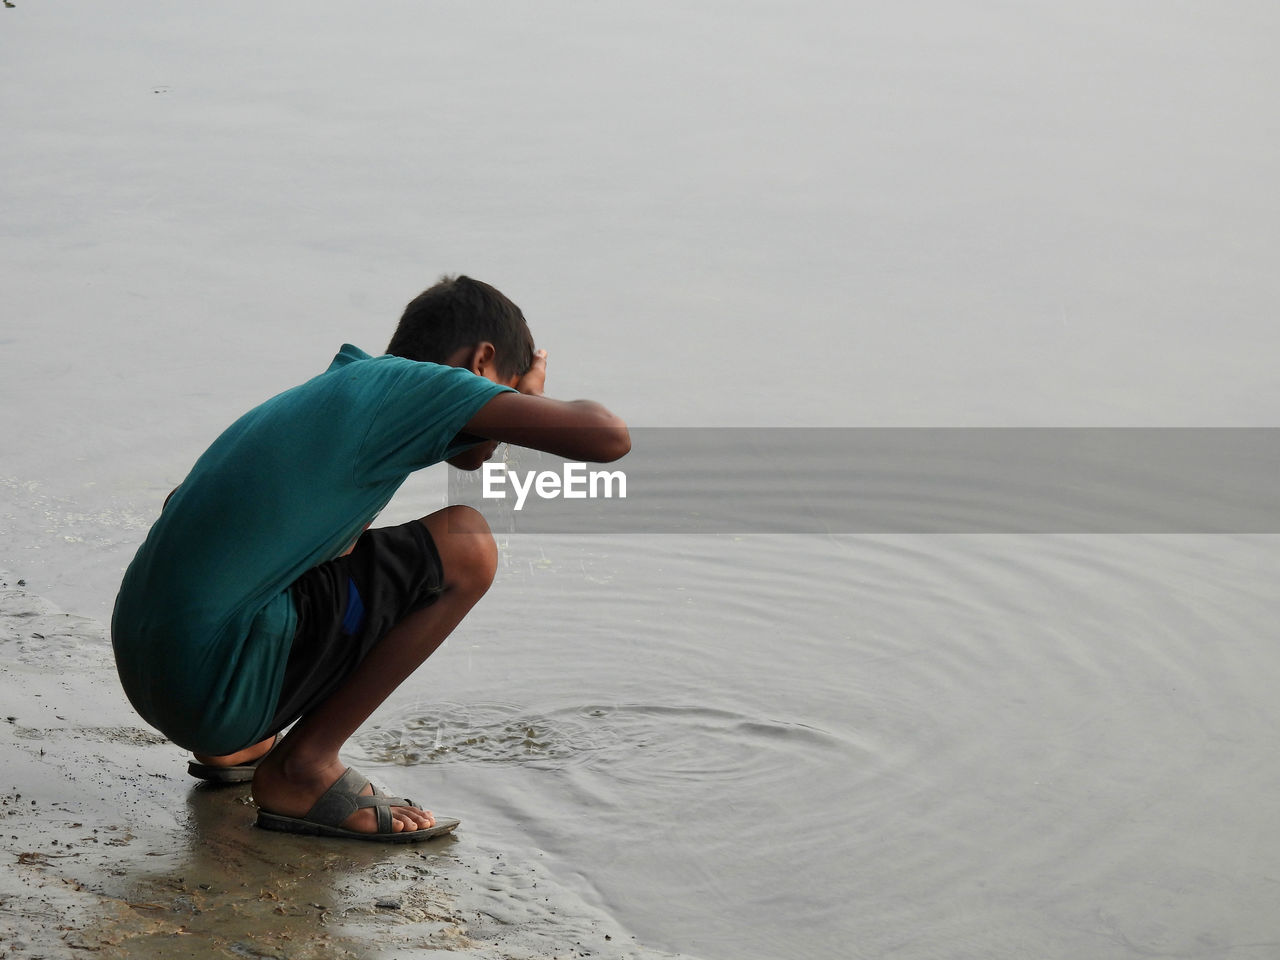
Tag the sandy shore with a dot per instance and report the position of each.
(110, 849)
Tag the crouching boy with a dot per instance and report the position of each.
(261, 599)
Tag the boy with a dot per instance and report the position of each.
(256, 599)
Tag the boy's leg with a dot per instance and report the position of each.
(305, 762)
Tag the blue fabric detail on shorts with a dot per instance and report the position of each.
(354, 617)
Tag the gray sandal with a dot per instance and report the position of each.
(342, 800)
(240, 773)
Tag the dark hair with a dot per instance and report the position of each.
(460, 312)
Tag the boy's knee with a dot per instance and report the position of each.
(466, 546)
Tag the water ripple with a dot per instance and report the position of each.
(641, 742)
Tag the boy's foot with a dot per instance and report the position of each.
(347, 797)
(290, 797)
(233, 767)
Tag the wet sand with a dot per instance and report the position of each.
(110, 848)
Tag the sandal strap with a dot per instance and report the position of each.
(382, 805)
(344, 798)
(381, 800)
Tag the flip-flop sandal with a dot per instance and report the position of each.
(342, 800)
(240, 773)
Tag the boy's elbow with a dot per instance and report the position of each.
(618, 444)
(605, 437)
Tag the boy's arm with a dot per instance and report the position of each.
(574, 429)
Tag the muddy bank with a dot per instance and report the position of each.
(110, 849)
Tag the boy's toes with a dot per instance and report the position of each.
(410, 818)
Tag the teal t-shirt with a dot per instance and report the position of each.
(204, 619)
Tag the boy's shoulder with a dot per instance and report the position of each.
(361, 398)
(397, 396)
(387, 374)
(349, 354)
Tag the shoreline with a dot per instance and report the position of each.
(113, 850)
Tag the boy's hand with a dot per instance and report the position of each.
(535, 377)
(574, 429)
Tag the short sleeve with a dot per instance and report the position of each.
(423, 410)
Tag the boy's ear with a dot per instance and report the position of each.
(482, 357)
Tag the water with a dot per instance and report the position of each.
(906, 746)
(829, 215)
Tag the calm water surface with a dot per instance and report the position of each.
(824, 215)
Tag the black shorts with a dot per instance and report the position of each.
(348, 604)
